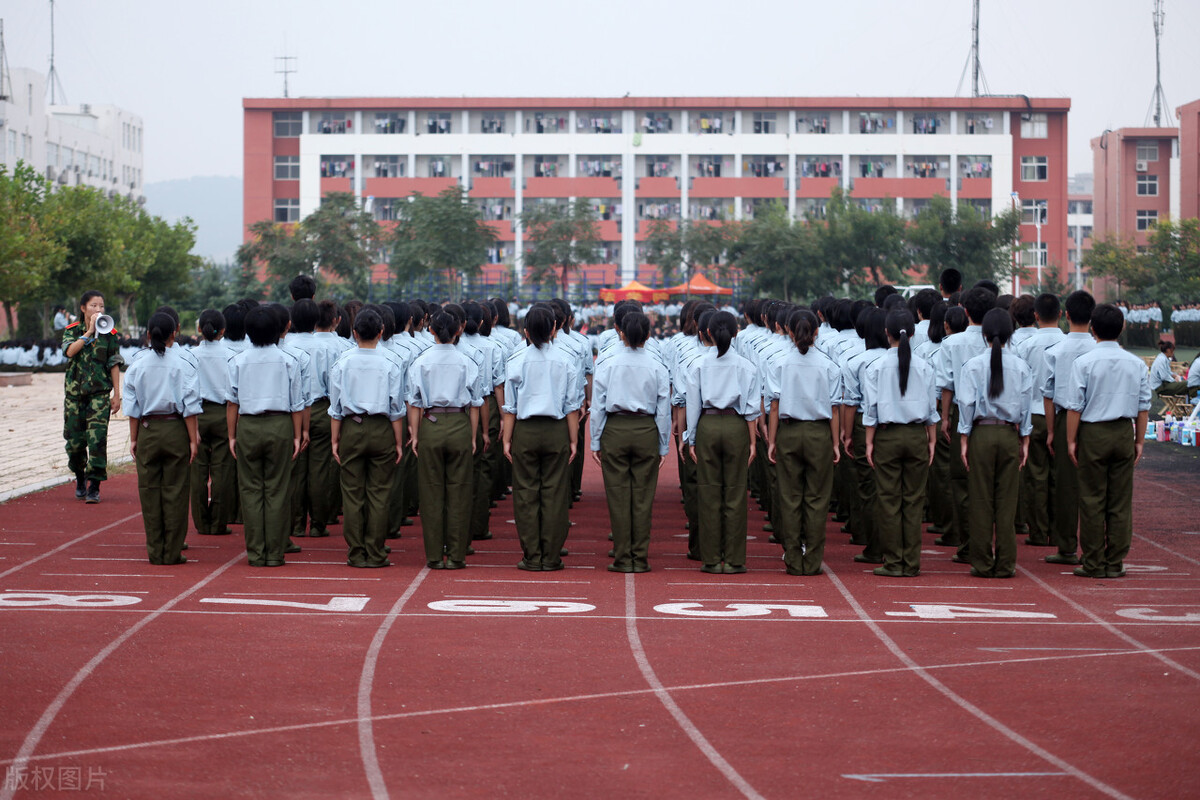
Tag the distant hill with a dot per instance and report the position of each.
(213, 203)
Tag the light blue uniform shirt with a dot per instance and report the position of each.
(728, 381)
(483, 384)
(920, 334)
(239, 346)
(302, 357)
(1014, 404)
(825, 335)
(541, 382)
(1160, 372)
(265, 379)
(443, 376)
(1033, 350)
(212, 367)
(957, 349)
(584, 347)
(806, 386)
(166, 384)
(632, 380)
(1020, 335)
(1107, 383)
(854, 374)
(323, 350)
(685, 372)
(1193, 379)
(927, 351)
(1059, 360)
(494, 361)
(364, 382)
(882, 402)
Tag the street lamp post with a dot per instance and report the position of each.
(1038, 209)
(1016, 199)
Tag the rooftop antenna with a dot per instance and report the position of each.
(5, 78)
(1159, 99)
(973, 64)
(285, 68)
(52, 80)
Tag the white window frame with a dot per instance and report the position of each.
(1147, 183)
(287, 168)
(1036, 127)
(1147, 219)
(291, 208)
(1147, 151)
(1033, 166)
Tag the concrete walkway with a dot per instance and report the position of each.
(31, 441)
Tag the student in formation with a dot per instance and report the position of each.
(1162, 380)
(871, 327)
(802, 388)
(1055, 389)
(477, 333)
(900, 420)
(723, 405)
(994, 392)
(443, 399)
(93, 394)
(1038, 474)
(689, 349)
(937, 494)
(366, 419)
(1107, 408)
(539, 432)
(162, 401)
(212, 479)
(957, 349)
(264, 414)
(631, 437)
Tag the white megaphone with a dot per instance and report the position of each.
(104, 324)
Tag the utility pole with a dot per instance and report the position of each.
(975, 68)
(1160, 98)
(52, 79)
(285, 69)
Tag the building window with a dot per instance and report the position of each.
(1146, 219)
(386, 166)
(926, 123)
(545, 166)
(439, 122)
(287, 209)
(440, 167)
(710, 122)
(1079, 207)
(390, 121)
(598, 122)
(546, 122)
(817, 123)
(51, 155)
(763, 166)
(1035, 168)
(337, 167)
(492, 122)
(331, 122)
(873, 122)
(657, 122)
(287, 168)
(288, 124)
(492, 166)
(1080, 231)
(1147, 185)
(1147, 151)
(1036, 127)
(598, 166)
(1032, 256)
(764, 122)
(384, 209)
(660, 167)
(1034, 212)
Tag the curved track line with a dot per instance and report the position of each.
(44, 722)
(366, 730)
(664, 697)
(965, 704)
(576, 698)
(65, 545)
(1108, 626)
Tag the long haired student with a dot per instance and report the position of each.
(162, 400)
(542, 398)
(214, 483)
(723, 405)
(871, 326)
(631, 436)
(443, 415)
(366, 417)
(994, 394)
(900, 417)
(802, 441)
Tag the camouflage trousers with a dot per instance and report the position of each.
(85, 427)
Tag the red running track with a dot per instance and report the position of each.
(214, 679)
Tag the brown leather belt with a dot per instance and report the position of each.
(429, 415)
(994, 421)
(162, 416)
(722, 412)
(269, 414)
(631, 413)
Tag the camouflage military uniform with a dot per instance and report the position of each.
(86, 407)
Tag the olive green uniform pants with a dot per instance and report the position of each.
(264, 455)
(212, 479)
(484, 465)
(901, 456)
(959, 490)
(1038, 478)
(941, 512)
(541, 449)
(163, 450)
(445, 479)
(721, 452)
(994, 453)
(1066, 491)
(314, 489)
(863, 515)
(85, 427)
(1106, 460)
(368, 453)
(629, 462)
(804, 467)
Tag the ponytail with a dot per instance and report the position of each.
(212, 322)
(803, 325)
(636, 327)
(997, 330)
(900, 326)
(722, 327)
(159, 329)
(539, 326)
(904, 356)
(996, 381)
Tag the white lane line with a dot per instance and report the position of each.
(366, 731)
(1108, 626)
(18, 544)
(664, 697)
(881, 777)
(43, 724)
(104, 575)
(579, 698)
(82, 558)
(491, 580)
(294, 594)
(962, 702)
(508, 597)
(71, 543)
(939, 588)
(303, 577)
(729, 585)
(74, 591)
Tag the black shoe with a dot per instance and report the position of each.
(845, 529)
(793, 571)
(577, 496)
(491, 504)
(258, 563)
(392, 535)
(1083, 573)
(387, 549)
(712, 569)
(406, 522)
(93, 492)
(555, 567)
(773, 539)
(913, 574)
(610, 537)
(693, 556)
(957, 559)
(977, 574)
(80, 487)
(615, 568)
(563, 552)
(435, 564)
(946, 541)
(865, 559)
(733, 569)
(768, 527)
(292, 547)
(1114, 573)
(1029, 540)
(184, 546)
(357, 564)
(378, 565)
(525, 565)
(450, 564)
(612, 553)
(278, 563)
(1062, 558)
(885, 572)
(640, 568)
(470, 550)
(938, 529)
(483, 537)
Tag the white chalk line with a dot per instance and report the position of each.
(65, 545)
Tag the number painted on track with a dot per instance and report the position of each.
(739, 610)
(922, 611)
(510, 606)
(334, 604)
(1150, 615)
(32, 599)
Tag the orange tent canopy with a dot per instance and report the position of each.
(699, 285)
(634, 291)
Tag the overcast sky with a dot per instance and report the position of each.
(185, 67)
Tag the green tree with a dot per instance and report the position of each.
(1173, 257)
(441, 234)
(29, 254)
(867, 248)
(560, 238)
(282, 252)
(1117, 258)
(687, 246)
(976, 244)
(784, 258)
(343, 240)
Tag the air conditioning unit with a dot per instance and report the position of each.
(50, 173)
(1140, 166)
(62, 178)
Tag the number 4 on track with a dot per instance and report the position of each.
(966, 612)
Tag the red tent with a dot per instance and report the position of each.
(699, 285)
(634, 291)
